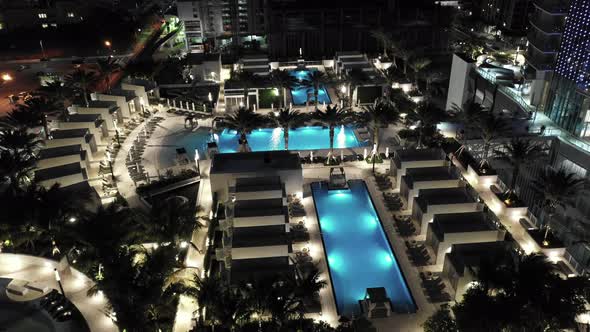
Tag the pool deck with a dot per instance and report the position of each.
(402, 322)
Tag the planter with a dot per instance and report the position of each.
(485, 179)
(512, 206)
(553, 248)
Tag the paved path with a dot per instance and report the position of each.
(75, 284)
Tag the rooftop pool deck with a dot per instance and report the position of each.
(358, 251)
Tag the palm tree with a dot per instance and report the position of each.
(332, 117)
(205, 291)
(257, 295)
(282, 304)
(382, 38)
(315, 80)
(520, 152)
(433, 77)
(282, 80)
(106, 68)
(82, 81)
(468, 116)
(174, 221)
(56, 91)
(427, 117)
(17, 168)
(490, 127)
(382, 113)
(405, 55)
(244, 120)
(18, 150)
(40, 107)
(418, 66)
(559, 188)
(245, 79)
(288, 119)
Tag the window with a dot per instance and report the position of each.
(70, 14)
(44, 25)
(1, 26)
(42, 15)
(54, 25)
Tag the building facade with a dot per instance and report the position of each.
(568, 101)
(544, 37)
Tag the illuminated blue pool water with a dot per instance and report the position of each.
(358, 252)
(305, 138)
(300, 95)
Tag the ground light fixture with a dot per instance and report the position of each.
(58, 279)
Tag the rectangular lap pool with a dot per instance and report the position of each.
(304, 138)
(300, 95)
(358, 252)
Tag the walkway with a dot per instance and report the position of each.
(76, 284)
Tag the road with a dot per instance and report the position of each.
(28, 79)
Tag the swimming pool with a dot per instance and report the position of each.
(304, 138)
(358, 252)
(300, 95)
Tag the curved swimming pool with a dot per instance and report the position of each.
(358, 252)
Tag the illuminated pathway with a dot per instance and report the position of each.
(76, 284)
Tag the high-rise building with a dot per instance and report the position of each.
(568, 103)
(221, 22)
(544, 37)
(508, 15)
(318, 28)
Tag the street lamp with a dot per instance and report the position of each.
(107, 43)
(197, 162)
(110, 161)
(6, 77)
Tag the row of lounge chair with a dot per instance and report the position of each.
(186, 113)
(434, 288)
(133, 160)
(418, 254)
(404, 226)
(57, 306)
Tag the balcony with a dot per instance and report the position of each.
(543, 43)
(552, 7)
(545, 25)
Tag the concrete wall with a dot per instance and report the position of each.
(463, 237)
(137, 89)
(259, 221)
(64, 180)
(459, 87)
(429, 185)
(259, 252)
(125, 107)
(293, 180)
(64, 160)
(104, 114)
(97, 132)
(399, 172)
(88, 147)
(443, 208)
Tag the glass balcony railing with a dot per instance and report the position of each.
(540, 119)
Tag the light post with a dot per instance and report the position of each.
(197, 162)
(58, 279)
(109, 45)
(110, 161)
(141, 103)
(373, 156)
